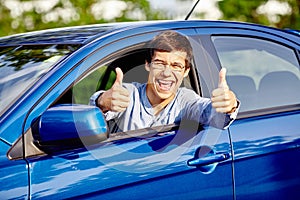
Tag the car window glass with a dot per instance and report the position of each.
(21, 66)
(263, 74)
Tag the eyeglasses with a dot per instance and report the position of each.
(160, 65)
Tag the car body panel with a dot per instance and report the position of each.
(13, 176)
(107, 171)
(266, 153)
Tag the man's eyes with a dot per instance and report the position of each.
(177, 66)
(174, 65)
(159, 63)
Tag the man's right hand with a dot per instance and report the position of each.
(116, 98)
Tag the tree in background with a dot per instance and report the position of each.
(277, 13)
(18, 16)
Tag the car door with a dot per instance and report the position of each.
(166, 162)
(13, 176)
(263, 70)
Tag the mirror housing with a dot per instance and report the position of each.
(69, 126)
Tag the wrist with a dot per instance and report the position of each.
(233, 109)
(100, 103)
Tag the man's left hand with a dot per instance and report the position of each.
(223, 99)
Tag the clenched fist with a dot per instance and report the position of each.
(223, 99)
(116, 98)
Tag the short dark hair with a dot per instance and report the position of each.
(168, 41)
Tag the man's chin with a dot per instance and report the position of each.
(165, 94)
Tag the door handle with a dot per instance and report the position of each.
(208, 159)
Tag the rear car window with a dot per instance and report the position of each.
(263, 74)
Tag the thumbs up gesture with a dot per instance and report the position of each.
(223, 99)
(116, 98)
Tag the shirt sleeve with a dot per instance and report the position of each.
(233, 115)
(109, 114)
(201, 110)
(94, 97)
(219, 120)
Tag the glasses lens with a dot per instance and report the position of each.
(162, 66)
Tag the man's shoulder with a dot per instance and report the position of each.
(186, 95)
(186, 91)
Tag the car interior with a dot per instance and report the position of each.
(275, 88)
(133, 66)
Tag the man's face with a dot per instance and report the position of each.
(166, 73)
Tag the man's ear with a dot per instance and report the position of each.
(147, 66)
(186, 72)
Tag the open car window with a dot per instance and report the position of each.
(132, 63)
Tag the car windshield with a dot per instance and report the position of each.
(22, 66)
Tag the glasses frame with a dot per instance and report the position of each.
(160, 65)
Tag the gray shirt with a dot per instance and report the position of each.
(186, 105)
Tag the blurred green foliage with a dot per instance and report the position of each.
(95, 81)
(286, 13)
(17, 16)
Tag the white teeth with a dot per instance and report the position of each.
(165, 85)
(165, 82)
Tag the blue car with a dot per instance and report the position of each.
(55, 145)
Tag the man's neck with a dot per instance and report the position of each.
(157, 103)
(159, 107)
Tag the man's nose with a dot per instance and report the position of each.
(167, 71)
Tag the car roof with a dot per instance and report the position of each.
(66, 35)
(297, 32)
(86, 33)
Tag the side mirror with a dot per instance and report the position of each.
(69, 126)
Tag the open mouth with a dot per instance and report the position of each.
(164, 85)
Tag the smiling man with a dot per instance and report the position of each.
(161, 100)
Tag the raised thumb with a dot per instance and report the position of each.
(222, 78)
(119, 77)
